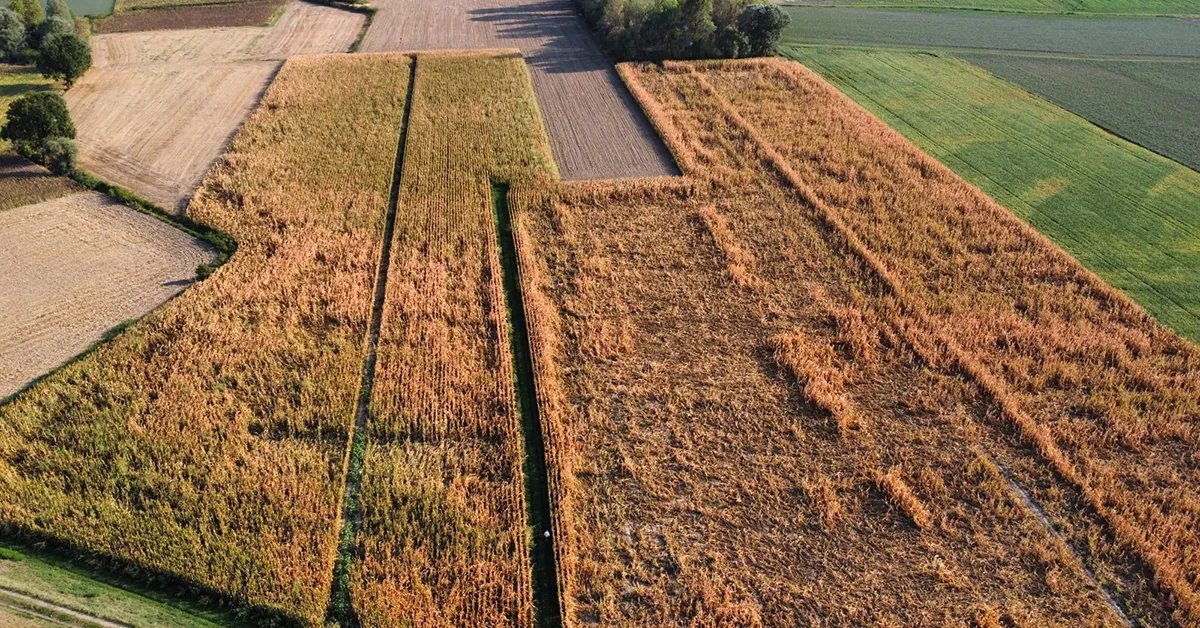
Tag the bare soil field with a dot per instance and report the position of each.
(256, 13)
(74, 268)
(159, 107)
(596, 129)
(22, 183)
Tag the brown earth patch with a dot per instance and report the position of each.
(74, 268)
(22, 183)
(256, 13)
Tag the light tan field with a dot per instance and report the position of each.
(596, 129)
(75, 267)
(159, 107)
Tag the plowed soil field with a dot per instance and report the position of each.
(74, 268)
(159, 107)
(596, 129)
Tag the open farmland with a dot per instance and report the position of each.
(207, 443)
(73, 268)
(595, 127)
(1137, 77)
(1126, 213)
(253, 13)
(444, 538)
(24, 183)
(159, 107)
(1100, 7)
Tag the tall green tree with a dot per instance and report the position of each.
(762, 25)
(12, 34)
(64, 56)
(35, 118)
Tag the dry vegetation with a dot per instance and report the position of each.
(444, 539)
(792, 385)
(595, 128)
(159, 107)
(25, 183)
(74, 268)
(208, 442)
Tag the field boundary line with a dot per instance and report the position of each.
(1165, 568)
(341, 609)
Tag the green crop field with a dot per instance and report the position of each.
(1128, 214)
(1104, 7)
(1153, 103)
(975, 30)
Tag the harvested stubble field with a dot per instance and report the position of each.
(159, 107)
(208, 442)
(796, 385)
(252, 13)
(74, 268)
(444, 540)
(596, 129)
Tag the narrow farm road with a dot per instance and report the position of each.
(596, 128)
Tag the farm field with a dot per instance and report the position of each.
(158, 108)
(207, 443)
(763, 401)
(444, 538)
(75, 267)
(1100, 7)
(595, 127)
(24, 183)
(251, 13)
(1153, 103)
(55, 589)
(1126, 213)
(1136, 77)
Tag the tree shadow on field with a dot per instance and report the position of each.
(551, 35)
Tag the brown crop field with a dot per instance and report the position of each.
(208, 441)
(444, 534)
(252, 13)
(24, 183)
(123, 6)
(596, 129)
(74, 268)
(823, 380)
(159, 107)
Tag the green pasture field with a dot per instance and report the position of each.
(981, 31)
(1125, 212)
(34, 577)
(1102, 7)
(1152, 103)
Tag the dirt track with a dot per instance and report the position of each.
(596, 128)
(75, 267)
(158, 107)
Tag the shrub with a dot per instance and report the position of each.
(59, 8)
(58, 154)
(12, 34)
(35, 118)
(64, 56)
(762, 24)
(54, 26)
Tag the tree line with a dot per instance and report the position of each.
(654, 30)
(39, 125)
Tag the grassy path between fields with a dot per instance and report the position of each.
(341, 609)
(547, 610)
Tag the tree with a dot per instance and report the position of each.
(66, 57)
(762, 25)
(58, 155)
(35, 118)
(58, 8)
(54, 26)
(12, 34)
(30, 11)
